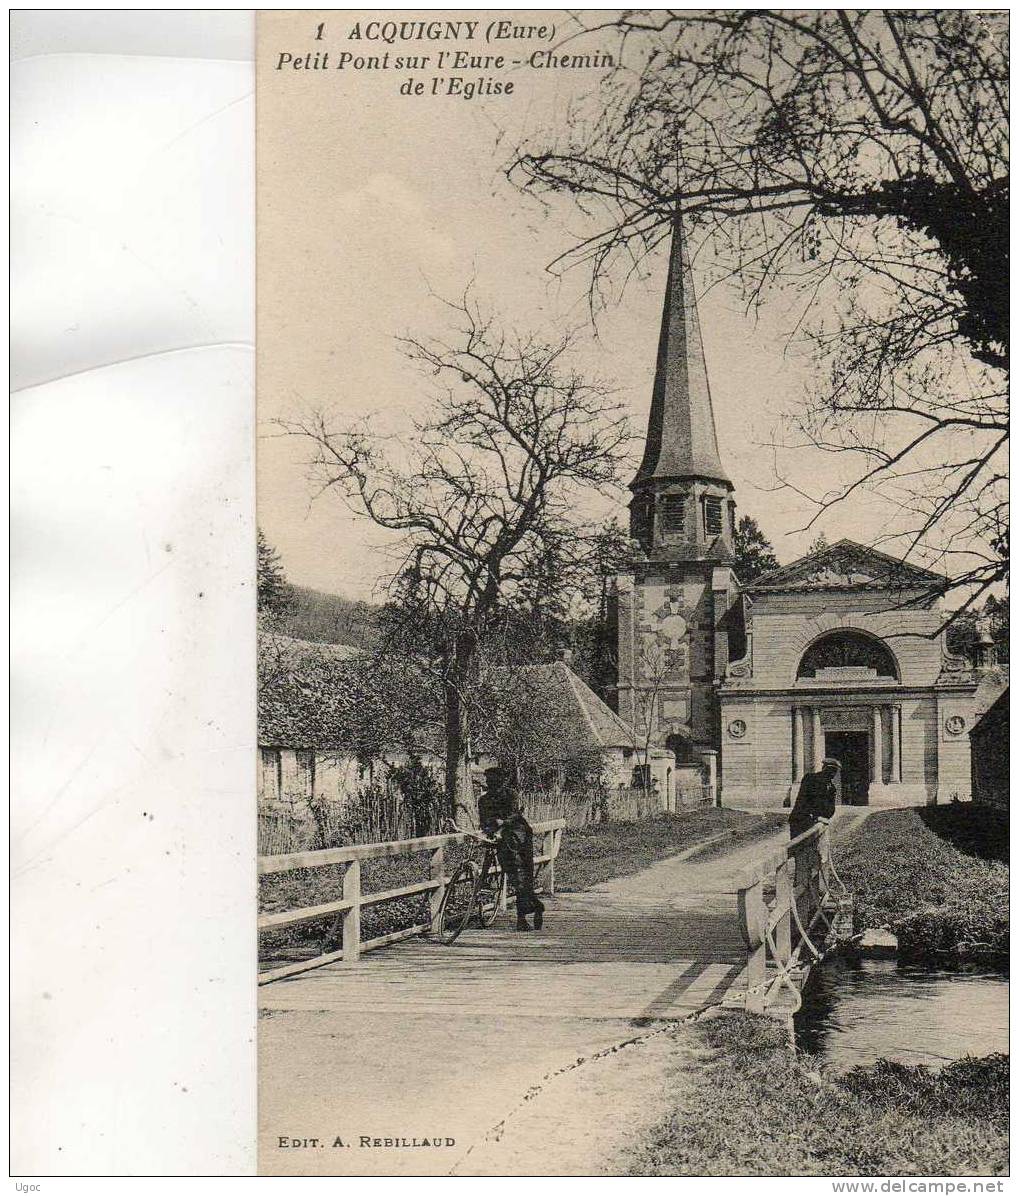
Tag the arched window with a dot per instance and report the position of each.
(680, 747)
(848, 650)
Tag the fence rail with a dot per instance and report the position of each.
(348, 907)
(792, 910)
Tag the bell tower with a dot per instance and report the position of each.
(672, 607)
(682, 503)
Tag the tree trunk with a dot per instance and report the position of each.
(459, 790)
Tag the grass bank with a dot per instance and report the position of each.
(587, 856)
(748, 1105)
(937, 877)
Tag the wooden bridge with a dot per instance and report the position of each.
(688, 932)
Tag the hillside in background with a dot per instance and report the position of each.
(328, 618)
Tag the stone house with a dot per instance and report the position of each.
(306, 755)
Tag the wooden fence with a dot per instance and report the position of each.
(793, 907)
(348, 907)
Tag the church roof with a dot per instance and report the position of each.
(847, 565)
(681, 437)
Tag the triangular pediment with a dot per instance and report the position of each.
(848, 566)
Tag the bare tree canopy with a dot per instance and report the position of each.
(482, 491)
(856, 161)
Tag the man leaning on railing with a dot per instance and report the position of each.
(815, 802)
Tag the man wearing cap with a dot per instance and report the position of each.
(816, 799)
(502, 820)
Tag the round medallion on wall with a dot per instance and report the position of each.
(737, 728)
(955, 724)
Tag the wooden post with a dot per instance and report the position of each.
(802, 865)
(823, 862)
(753, 918)
(784, 897)
(352, 916)
(436, 871)
(550, 848)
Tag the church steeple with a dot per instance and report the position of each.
(681, 501)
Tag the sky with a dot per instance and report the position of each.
(371, 204)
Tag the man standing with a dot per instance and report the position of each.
(816, 799)
(502, 820)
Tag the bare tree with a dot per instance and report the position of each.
(856, 160)
(652, 672)
(484, 485)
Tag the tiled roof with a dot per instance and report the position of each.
(990, 687)
(996, 712)
(304, 694)
(593, 724)
(312, 691)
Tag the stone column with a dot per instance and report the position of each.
(798, 729)
(895, 731)
(877, 771)
(710, 762)
(816, 747)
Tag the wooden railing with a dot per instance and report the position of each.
(792, 909)
(347, 909)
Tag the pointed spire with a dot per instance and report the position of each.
(681, 437)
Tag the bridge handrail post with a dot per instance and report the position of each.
(352, 915)
(753, 914)
(436, 872)
(550, 847)
(785, 895)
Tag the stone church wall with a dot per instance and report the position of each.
(666, 635)
(954, 722)
(757, 765)
(781, 636)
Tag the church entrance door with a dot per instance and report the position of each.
(852, 750)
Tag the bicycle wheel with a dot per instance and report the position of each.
(489, 892)
(457, 902)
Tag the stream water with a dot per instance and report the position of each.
(858, 1011)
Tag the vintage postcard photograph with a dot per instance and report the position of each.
(632, 786)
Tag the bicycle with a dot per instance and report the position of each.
(470, 891)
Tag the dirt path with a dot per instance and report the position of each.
(581, 1120)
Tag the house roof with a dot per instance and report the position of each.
(309, 695)
(591, 723)
(989, 689)
(304, 695)
(846, 565)
(315, 649)
(998, 709)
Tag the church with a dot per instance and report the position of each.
(752, 683)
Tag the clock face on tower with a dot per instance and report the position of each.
(674, 627)
(670, 623)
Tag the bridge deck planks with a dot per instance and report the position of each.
(598, 956)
